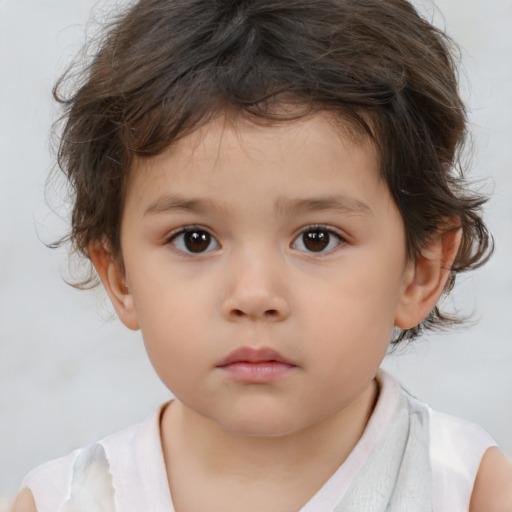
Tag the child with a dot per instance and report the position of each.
(268, 190)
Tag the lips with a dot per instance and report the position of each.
(257, 366)
(255, 355)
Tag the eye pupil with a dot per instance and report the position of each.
(316, 241)
(197, 241)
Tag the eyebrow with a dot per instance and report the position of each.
(170, 203)
(343, 204)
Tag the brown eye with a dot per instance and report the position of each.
(197, 241)
(194, 241)
(317, 240)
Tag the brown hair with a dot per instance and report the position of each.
(165, 67)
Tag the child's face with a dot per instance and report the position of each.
(282, 242)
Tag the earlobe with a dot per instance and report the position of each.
(425, 279)
(114, 281)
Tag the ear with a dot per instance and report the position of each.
(114, 281)
(425, 278)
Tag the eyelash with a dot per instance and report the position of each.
(205, 237)
(322, 229)
(174, 236)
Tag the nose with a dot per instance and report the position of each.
(256, 291)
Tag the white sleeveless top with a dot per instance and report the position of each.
(409, 459)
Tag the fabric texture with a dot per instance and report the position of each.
(409, 459)
(91, 483)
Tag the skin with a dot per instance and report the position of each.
(253, 192)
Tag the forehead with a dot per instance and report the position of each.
(293, 159)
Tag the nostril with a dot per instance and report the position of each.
(269, 313)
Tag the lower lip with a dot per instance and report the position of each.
(257, 373)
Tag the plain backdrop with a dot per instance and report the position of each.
(69, 374)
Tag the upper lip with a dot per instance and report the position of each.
(255, 355)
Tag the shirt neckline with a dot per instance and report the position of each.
(327, 497)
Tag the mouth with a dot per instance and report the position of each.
(256, 366)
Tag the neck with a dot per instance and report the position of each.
(188, 435)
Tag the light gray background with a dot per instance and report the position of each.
(68, 375)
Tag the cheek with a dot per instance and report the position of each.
(164, 294)
(365, 289)
(173, 351)
(353, 313)
(168, 316)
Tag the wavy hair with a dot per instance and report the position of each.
(162, 68)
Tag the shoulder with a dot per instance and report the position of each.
(458, 443)
(457, 448)
(24, 502)
(493, 485)
(47, 486)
